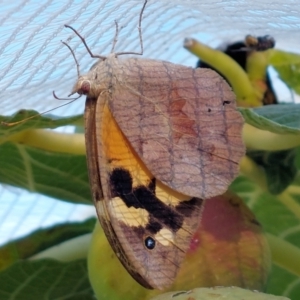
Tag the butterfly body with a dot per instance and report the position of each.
(160, 137)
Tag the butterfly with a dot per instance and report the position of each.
(160, 138)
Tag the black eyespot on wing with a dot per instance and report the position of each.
(150, 243)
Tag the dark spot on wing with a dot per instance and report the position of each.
(111, 160)
(120, 182)
(144, 197)
(139, 231)
(150, 243)
(153, 226)
(187, 207)
(97, 196)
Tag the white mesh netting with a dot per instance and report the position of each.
(34, 62)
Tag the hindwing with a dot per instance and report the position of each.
(148, 224)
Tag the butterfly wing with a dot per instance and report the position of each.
(182, 122)
(148, 225)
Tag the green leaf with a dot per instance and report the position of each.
(46, 279)
(280, 118)
(279, 167)
(280, 216)
(283, 282)
(58, 175)
(53, 164)
(288, 67)
(42, 239)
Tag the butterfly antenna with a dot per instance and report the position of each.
(76, 61)
(85, 44)
(140, 27)
(115, 38)
(140, 34)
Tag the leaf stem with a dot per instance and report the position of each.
(290, 203)
(51, 140)
(256, 66)
(258, 139)
(69, 250)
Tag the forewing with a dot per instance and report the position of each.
(182, 122)
(148, 225)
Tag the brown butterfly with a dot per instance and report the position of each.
(160, 138)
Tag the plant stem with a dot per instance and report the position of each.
(258, 139)
(289, 202)
(256, 66)
(51, 140)
(69, 250)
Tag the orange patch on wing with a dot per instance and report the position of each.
(119, 153)
(181, 123)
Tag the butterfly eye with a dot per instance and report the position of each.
(85, 88)
(149, 243)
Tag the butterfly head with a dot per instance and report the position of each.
(84, 86)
